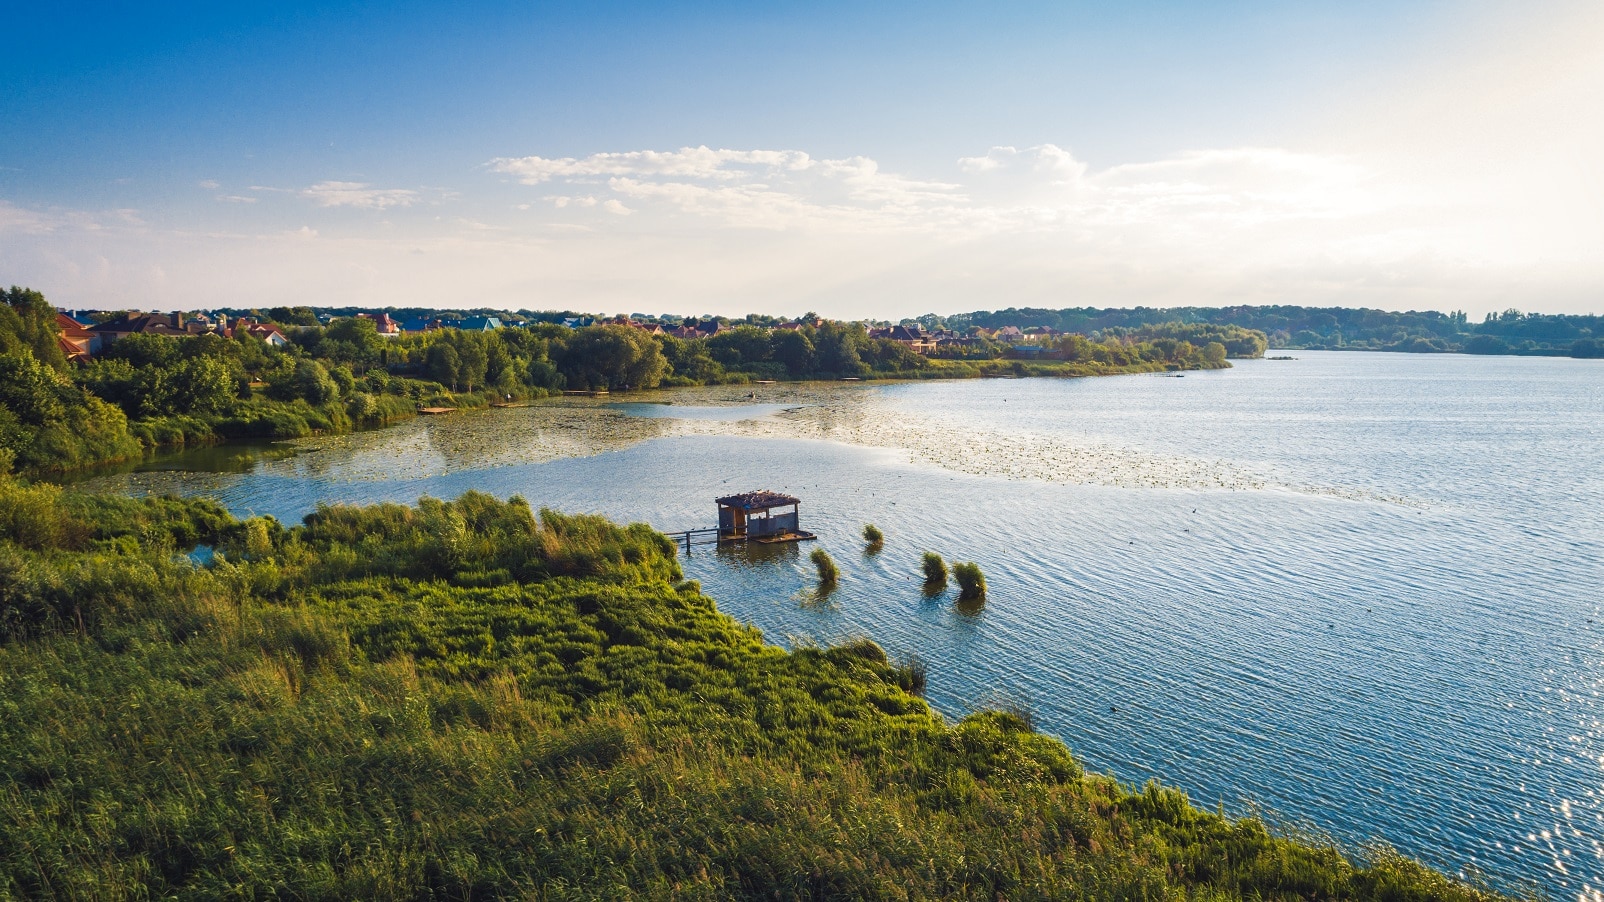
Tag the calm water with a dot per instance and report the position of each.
(1401, 639)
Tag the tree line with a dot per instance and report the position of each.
(145, 390)
(1291, 326)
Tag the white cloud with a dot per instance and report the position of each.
(235, 199)
(687, 162)
(358, 194)
(209, 184)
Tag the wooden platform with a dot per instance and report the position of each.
(797, 535)
(436, 411)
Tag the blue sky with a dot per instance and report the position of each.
(184, 155)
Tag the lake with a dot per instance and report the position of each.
(1359, 593)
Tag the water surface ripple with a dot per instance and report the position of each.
(1361, 592)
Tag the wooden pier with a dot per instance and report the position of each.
(689, 537)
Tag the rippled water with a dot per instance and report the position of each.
(1362, 592)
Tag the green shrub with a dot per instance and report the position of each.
(935, 569)
(971, 582)
(828, 572)
(872, 534)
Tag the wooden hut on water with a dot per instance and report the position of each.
(752, 516)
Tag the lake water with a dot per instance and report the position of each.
(1362, 593)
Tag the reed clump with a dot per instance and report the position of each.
(829, 573)
(971, 582)
(935, 569)
(873, 535)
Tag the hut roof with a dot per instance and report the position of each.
(756, 501)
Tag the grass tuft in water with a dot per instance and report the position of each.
(829, 573)
(971, 582)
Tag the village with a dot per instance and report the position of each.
(85, 333)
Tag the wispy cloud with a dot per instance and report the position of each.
(1006, 189)
(687, 162)
(358, 194)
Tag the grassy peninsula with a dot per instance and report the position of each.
(148, 390)
(477, 699)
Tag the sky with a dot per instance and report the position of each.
(857, 160)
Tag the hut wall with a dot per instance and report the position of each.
(777, 523)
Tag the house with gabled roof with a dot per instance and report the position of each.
(141, 323)
(77, 342)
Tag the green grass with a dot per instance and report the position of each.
(971, 582)
(829, 573)
(474, 699)
(935, 569)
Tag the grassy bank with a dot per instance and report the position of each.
(475, 699)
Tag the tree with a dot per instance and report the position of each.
(739, 348)
(688, 358)
(1486, 344)
(612, 356)
(444, 364)
(474, 361)
(838, 346)
(142, 350)
(292, 316)
(356, 340)
(200, 385)
(308, 381)
(794, 350)
(27, 321)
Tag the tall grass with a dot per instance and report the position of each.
(971, 582)
(377, 705)
(935, 569)
(829, 573)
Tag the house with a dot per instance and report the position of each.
(479, 324)
(421, 324)
(76, 342)
(913, 337)
(142, 323)
(267, 332)
(383, 324)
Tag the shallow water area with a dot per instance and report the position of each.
(1360, 590)
(724, 413)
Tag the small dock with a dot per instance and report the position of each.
(436, 411)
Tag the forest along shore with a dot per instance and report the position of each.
(147, 390)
